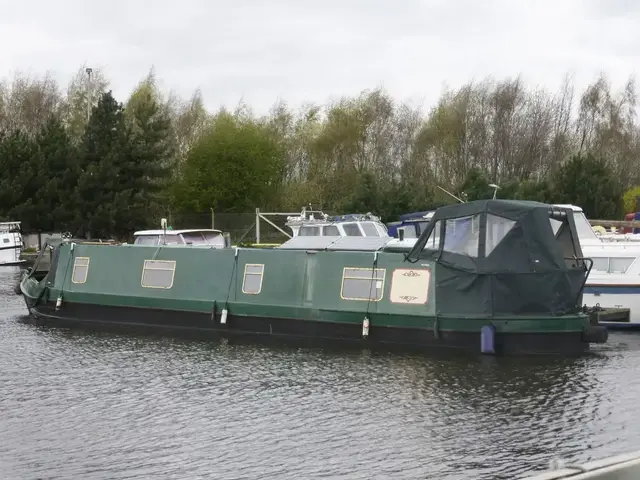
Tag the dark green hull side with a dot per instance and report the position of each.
(300, 295)
(205, 326)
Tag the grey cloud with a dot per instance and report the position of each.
(311, 51)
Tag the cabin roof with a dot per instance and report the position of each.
(426, 218)
(415, 215)
(313, 222)
(335, 243)
(175, 232)
(484, 244)
(575, 208)
(502, 208)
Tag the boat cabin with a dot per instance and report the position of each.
(11, 243)
(198, 237)
(495, 257)
(318, 224)
(410, 225)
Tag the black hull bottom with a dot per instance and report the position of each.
(202, 326)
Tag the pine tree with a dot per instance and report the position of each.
(59, 177)
(148, 162)
(99, 183)
(20, 163)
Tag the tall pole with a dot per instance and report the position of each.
(258, 226)
(89, 92)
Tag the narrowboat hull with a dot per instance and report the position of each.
(204, 325)
(299, 295)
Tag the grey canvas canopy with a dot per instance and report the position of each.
(500, 257)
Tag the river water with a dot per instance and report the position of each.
(107, 406)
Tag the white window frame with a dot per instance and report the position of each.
(76, 265)
(246, 273)
(171, 268)
(608, 259)
(370, 277)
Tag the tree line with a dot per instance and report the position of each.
(79, 160)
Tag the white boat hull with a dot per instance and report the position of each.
(11, 248)
(615, 288)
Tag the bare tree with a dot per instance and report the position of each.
(190, 120)
(30, 102)
(83, 93)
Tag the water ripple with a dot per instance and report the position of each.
(98, 406)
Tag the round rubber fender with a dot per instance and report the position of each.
(595, 334)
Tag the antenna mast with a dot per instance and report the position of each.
(450, 194)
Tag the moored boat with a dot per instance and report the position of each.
(486, 276)
(314, 223)
(11, 244)
(410, 225)
(613, 280)
(203, 237)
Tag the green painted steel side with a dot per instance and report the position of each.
(295, 284)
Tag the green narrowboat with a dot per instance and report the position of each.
(492, 276)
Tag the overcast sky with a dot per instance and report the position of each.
(299, 50)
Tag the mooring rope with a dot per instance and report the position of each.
(66, 271)
(233, 270)
(160, 245)
(374, 277)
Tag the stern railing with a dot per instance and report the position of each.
(585, 260)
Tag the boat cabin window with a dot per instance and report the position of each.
(620, 265)
(146, 240)
(600, 264)
(409, 231)
(5, 240)
(611, 264)
(370, 229)
(252, 282)
(583, 227)
(194, 238)
(158, 273)
(461, 235)
(214, 238)
(80, 270)
(309, 231)
(555, 225)
(330, 231)
(352, 230)
(433, 242)
(155, 239)
(420, 227)
(172, 239)
(566, 241)
(362, 284)
(497, 229)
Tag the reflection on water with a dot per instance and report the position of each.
(80, 405)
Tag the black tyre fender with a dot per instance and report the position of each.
(595, 334)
